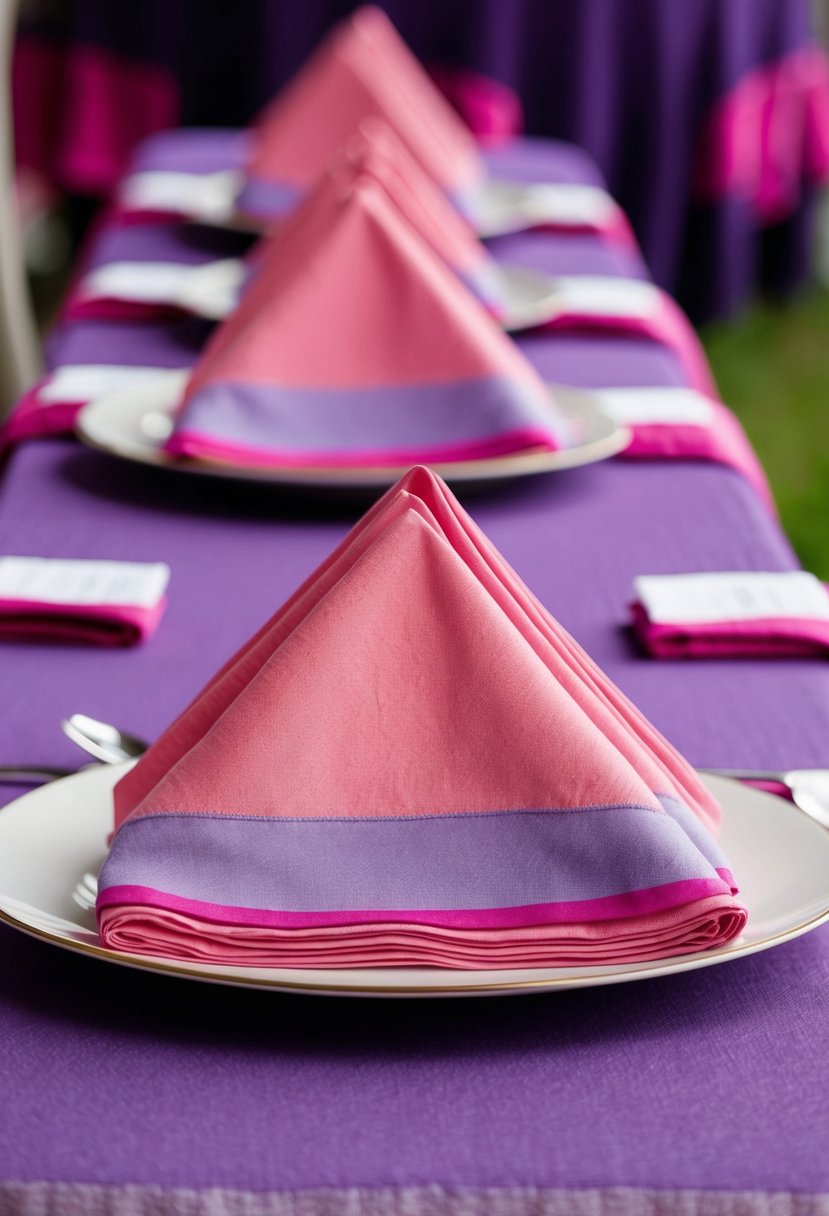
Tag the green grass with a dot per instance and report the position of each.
(772, 366)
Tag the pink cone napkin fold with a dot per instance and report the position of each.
(362, 70)
(102, 603)
(375, 153)
(732, 615)
(354, 345)
(412, 763)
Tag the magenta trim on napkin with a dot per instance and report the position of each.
(121, 625)
(760, 639)
(89, 610)
(783, 635)
(31, 419)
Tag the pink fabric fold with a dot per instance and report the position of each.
(732, 614)
(703, 925)
(334, 720)
(107, 625)
(81, 305)
(766, 638)
(432, 378)
(96, 601)
(31, 418)
(363, 69)
(51, 406)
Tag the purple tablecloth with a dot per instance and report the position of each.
(134, 1095)
(631, 81)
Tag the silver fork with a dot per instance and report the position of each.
(86, 892)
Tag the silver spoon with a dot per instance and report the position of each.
(104, 742)
(809, 787)
(99, 739)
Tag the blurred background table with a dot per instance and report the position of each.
(656, 91)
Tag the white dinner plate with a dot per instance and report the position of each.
(53, 836)
(135, 421)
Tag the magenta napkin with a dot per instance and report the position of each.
(102, 603)
(737, 614)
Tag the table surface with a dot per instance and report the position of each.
(713, 1081)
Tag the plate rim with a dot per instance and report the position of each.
(612, 439)
(674, 964)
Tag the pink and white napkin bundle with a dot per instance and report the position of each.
(413, 764)
(103, 603)
(354, 345)
(673, 423)
(732, 614)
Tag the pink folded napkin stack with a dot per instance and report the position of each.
(362, 70)
(731, 615)
(413, 764)
(355, 346)
(101, 603)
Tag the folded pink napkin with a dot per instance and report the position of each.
(354, 345)
(375, 152)
(362, 70)
(683, 424)
(412, 763)
(735, 614)
(104, 603)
